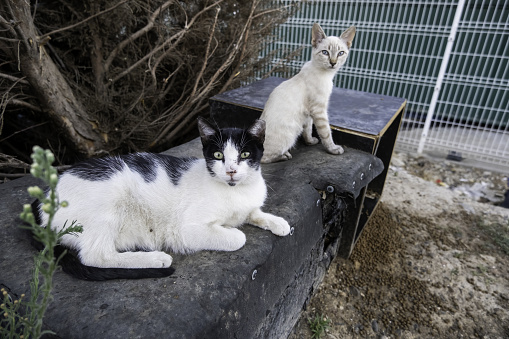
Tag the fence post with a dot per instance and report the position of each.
(441, 74)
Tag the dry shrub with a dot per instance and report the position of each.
(137, 72)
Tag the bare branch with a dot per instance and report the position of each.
(23, 130)
(177, 36)
(7, 25)
(9, 40)
(10, 161)
(207, 51)
(197, 99)
(136, 35)
(274, 10)
(186, 121)
(13, 175)
(14, 79)
(231, 57)
(82, 21)
(172, 40)
(23, 104)
(131, 76)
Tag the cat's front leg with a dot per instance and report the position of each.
(212, 237)
(321, 121)
(267, 159)
(267, 221)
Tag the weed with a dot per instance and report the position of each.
(481, 270)
(498, 232)
(22, 318)
(318, 325)
(457, 255)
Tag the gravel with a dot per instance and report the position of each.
(433, 261)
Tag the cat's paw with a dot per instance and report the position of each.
(335, 149)
(286, 156)
(279, 226)
(266, 159)
(312, 141)
(234, 240)
(158, 259)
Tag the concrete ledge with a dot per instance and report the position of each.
(211, 294)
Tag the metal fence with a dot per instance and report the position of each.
(449, 59)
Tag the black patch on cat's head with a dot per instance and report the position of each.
(257, 130)
(207, 131)
(246, 140)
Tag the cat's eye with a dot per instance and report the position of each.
(218, 155)
(324, 52)
(245, 155)
(341, 53)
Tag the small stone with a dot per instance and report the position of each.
(354, 291)
(396, 161)
(374, 326)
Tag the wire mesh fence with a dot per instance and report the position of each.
(399, 50)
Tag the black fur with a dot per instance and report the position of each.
(73, 266)
(175, 167)
(245, 141)
(143, 163)
(97, 169)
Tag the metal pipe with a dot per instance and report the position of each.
(441, 74)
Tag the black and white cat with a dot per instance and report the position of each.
(135, 207)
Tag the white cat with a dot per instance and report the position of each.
(134, 207)
(297, 103)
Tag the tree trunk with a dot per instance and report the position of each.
(49, 85)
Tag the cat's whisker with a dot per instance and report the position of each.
(269, 175)
(268, 186)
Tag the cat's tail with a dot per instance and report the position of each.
(71, 264)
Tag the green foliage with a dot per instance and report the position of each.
(22, 318)
(498, 233)
(318, 325)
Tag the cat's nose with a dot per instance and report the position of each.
(332, 63)
(232, 169)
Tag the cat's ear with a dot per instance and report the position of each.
(257, 130)
(206, 129)
(317, 35)
(348, 35)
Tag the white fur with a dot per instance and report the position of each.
(200, 213)
(297, 103)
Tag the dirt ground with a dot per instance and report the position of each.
(433, 261)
